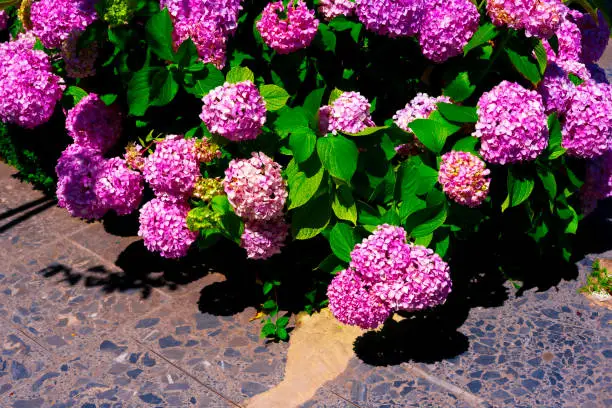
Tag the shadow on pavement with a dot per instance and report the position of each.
(26, 212)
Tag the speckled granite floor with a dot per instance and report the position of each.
(87, 319)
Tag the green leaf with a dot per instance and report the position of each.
(485, 33)
(269, 329)
(442, 245)
(290, 119)
(302, 143)
(282, 334)
(240, 74)
(554, 149)
(343, 24)
(269, 304)
(427, 220)
(434, 131)
(311, 106)
(460, 88)
(456, 113)
(76, 93)
(541, 57)
(576, 80)
(159, 35)
(108, 99)
(303, 187)
(466, 144)
(211, 79)
(548, 181)
(525, 65)
(335, 94)
(519, 188)
(368, 131)
(428, 178)
(344, 205)
(309, 220)
(267, 287)
(282, 321)
(163, 88)
(187, 54)
(327, 38)
(275, 96)
(424, 240)
(339, 156)
(342, 240)
(139, 91)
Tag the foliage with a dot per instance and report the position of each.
(599, 281)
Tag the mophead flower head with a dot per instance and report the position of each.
(420, 107)
(464, 178)
(207, 150)
(263, 239)
(80, 63)
(54, 21)
(94, 124)
(173, 167)
(393, 18)
(539, 18)
(207, 188)
(349, 113)
(163, 226)
(335, 8)
(118, 187)
(512, 125)
(446, 28)
(234, 111)
(255, 187)
(290, 33)
(555, 88)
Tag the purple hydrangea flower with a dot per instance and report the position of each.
(464, 178)
(117, 187)
(54, 21)
(595, 36)
(263, 239)
(349, 113)
(255, 188)
(3, 20)
(163, 227)
(539, 18)
(555, 88)
(587, 126)
(393, 18)
(94, 124)
(81, 63)
(286, 35)
(334, 8)
(234, 111)
(29, 90)
(512, 124)
(598, 183)
(446, 28)
(173, 168)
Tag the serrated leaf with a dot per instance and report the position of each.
(275, 96)
(211, 79)
(240, 74)
(339, 156)
(344, 206)
(335, 94)
(368, 131)
(159, 35)
(76, 93)
(309, 220)
(302, 142)
(303, 187)
(290, 119)
(525, 65)
(342, 240)
(460, 88)
(139, 91)
(485, 33)
(311, 106)
(541, 57)
(434, 131)
(163, 88)
(456, 113)
(327, 38)
(519, 189)
(466, 144)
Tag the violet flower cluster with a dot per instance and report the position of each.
(118, 187)
(54, 21)
(93, 124)
(598, 182)
(349, 113)
(234, 111)
(79, 63)
(446, 28)
(393, 18)
(291, 33)
(512, 125)
(335, 8)
(539, 18)
(385, 275)
(464, 178)
(209, 24)
(29, 90)
(263, 239)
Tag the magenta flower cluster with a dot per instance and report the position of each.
(54, 21)
(208, 23)
(289, 34)
(512, 125)
(385, 275)
(464, 178)
(93, 124)
(234, 111)
(556, 88)
(29, 90)
(587, 125)
(393, 18)
(335, 8)
(118, 187)
(349, 113)
(539, 18)
(446, 27)
(263, 239)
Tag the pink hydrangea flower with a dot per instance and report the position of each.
(234, 111)
(555, 88)
(286, 35)
(54, 21)
(94, 124)
(420, 107)
(539, 18)
(173, 168)
(446, 28)
(335, 8)
(163, 227)
(349, 113)
(512, 124)
(79, 63)
(255, 188)
(587, 127)
(29, 90)
(393, 18)
(464, 178)
(119, 188)
(263, 239)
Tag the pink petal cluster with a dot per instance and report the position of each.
(255, 187)
(93, 124)
(446, 28)
(234, 111)
(595, 36)
(386, 274)
(54, 21)
(208, 23)
(118, 187)
(349, 113)
(587, 125)
(598, 183)
(464, 178)
(29, 90)
(393, 18)
(3, 20)
(289, 34)
(335, 8)
(556, 89)
(263, 239)
(163, 226)
(173, 168)
(79, 63)
(420, 107)
(539, 18)
(512, 125)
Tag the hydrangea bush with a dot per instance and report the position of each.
(373, 136)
